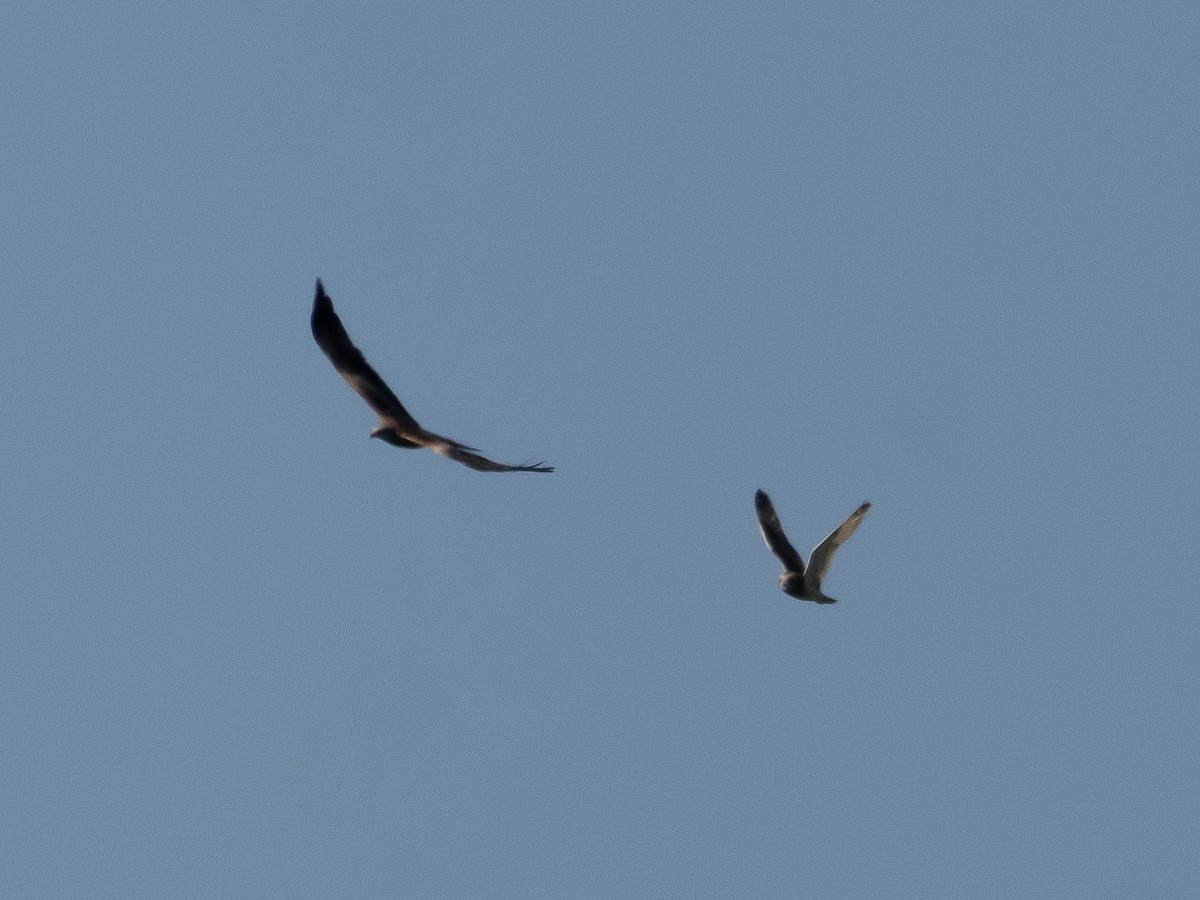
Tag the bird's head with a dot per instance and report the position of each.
(386, 433)
(792, 584)
(389, 434)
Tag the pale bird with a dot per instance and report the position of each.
(800, 581)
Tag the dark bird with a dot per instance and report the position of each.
(396, 426)
(797, 580)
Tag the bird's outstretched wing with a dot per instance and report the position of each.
(396, 425)
(332, 338)
(458, 453)
(822, 555)
(772, 533)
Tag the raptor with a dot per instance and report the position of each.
(396, 426)
(800, 581)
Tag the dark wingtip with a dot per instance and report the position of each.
(323, 318)
(760, 497)
(322, 308)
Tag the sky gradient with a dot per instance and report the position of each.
(936, 257)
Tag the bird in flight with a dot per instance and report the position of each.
(803, 583)
(396, 426)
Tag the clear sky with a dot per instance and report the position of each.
(939, 256)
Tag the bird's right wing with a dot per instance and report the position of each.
(822, 554)
(772, 533)
(457, 452)
(332, 338)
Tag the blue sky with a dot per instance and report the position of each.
(938, 257)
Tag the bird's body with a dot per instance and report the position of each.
(396, 426)
(796, 584)
(800, 581)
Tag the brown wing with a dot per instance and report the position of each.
(772, 533)
(822, 554)
(332, 338)
(458, 453)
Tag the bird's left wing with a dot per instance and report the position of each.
(332, 338)
(772, 532)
